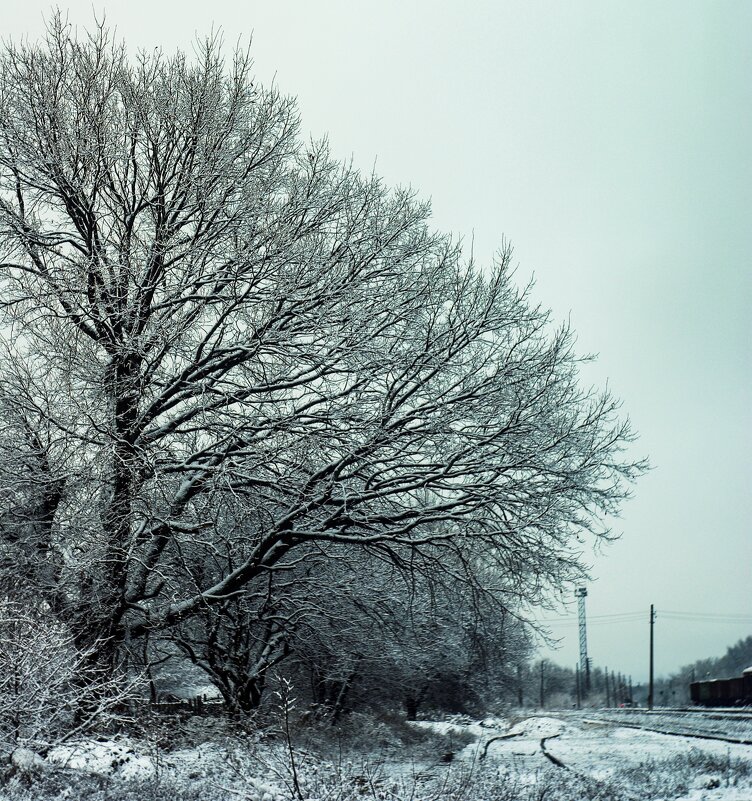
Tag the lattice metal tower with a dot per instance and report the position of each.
(581, 593)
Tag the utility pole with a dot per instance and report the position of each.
(650, 682)
(577, 684)
(542, 686)
(608, 693)
(520, 698)
(581, 593)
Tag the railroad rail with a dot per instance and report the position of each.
(744, 712)
(700, 724)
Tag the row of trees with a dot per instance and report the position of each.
(546, 684)
(674, 689)
(738, 658)
(252, 404)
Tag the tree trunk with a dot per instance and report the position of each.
(411, 707)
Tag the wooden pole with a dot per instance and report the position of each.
(608, 694)
(650, 682)
(542, 690)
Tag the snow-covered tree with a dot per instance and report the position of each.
(205, 311)
(374, 635)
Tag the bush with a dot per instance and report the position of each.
(45, 689)
(384, 734)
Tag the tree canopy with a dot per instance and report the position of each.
(227, 356)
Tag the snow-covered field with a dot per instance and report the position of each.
(553, 757)
(641, 764)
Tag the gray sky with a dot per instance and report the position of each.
(611, 143)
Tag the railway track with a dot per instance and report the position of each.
(742, 713)
(723, 725)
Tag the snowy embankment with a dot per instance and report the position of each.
(506, 760)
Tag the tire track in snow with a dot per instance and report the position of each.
(588, 778)
(550, 757)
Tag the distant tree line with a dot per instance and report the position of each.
(738, 657)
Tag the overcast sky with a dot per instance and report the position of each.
(611, 142)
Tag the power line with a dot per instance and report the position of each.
(744, 618)
(630, 617)
(743, 621)
(595, 617)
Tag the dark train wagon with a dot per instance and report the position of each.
(698, 692)
(723, 692)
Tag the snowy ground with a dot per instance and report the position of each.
(491, 760)
(617, 754)
(626, 758)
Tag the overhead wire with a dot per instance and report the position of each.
(640, 616)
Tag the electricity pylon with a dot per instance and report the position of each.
(581, 593)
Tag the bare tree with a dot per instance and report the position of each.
(31, 495)
(375, 636)
(207, 312)
(236, 643)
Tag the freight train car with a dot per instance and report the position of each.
(723, 692)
